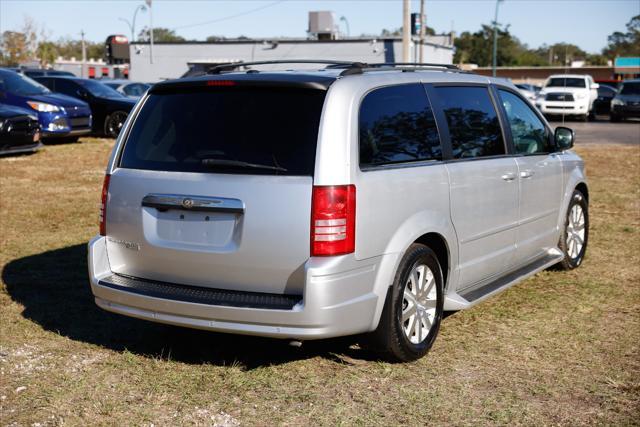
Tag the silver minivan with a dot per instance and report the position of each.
(356, 199)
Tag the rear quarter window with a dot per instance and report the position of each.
(273, 127)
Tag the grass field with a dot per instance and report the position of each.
(559, 348)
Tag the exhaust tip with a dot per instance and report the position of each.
(295, 343)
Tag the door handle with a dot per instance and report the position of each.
(526, 173)
(508, 176)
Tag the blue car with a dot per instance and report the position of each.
(60, 116)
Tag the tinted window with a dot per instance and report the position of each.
(630, 88)
(529, 134)
(397, 126)
(98, 89)
(191, 130)
(566, 82)
(68, 87)
(135, 89)
(473, 123)
(20, 85)
(606, 91)
(34, 73)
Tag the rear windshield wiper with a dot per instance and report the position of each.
(241, 164)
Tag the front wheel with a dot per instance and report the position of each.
(114, 122)
(575, 235)
(412, 313)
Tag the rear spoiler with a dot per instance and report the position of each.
(275, 80)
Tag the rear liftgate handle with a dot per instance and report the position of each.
(164, 202)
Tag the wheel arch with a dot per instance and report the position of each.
(582, 187)
(438, 244)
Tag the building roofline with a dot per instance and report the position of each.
(288, 41)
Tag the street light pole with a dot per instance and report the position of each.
(148, 2)
(406, 30)
(495, 39)
(133, 24)
(346, 23)
(83, 72)
(423, 23)
(126, 21)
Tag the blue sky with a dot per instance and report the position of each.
(586, 23)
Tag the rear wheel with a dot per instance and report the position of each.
(114, 122)
(413, 311)
(575, 236)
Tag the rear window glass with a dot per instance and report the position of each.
(238, 130)
(397, 126)
(473, 123)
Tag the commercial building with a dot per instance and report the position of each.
(171, 60)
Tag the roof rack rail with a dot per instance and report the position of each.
(414, 65)
(349, 67)
(359, 68)
(337, 64)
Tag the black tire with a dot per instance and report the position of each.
(113, 123)
(614, 118)
(389, 339)
(571, 259)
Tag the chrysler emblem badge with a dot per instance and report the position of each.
(187, 203)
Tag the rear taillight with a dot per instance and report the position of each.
(103, 206)
(333, 220)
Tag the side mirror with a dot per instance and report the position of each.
(595, 86)
(564, 138)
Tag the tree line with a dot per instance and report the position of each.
(476, 48)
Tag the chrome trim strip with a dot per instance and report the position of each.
(193, 203)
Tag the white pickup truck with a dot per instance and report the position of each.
(569, 95)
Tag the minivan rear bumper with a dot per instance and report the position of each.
(342, 296)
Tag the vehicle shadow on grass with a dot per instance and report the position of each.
(53, 287)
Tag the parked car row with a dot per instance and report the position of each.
(59, 116)
(65, 107)
(109, 107)
(580, 96)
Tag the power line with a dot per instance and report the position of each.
(247, 12)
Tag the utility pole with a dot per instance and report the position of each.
(406, 30)
(495, 39)
(83, 72)
(150, 31)
(423, 23)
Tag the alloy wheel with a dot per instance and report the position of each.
(419, 304)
